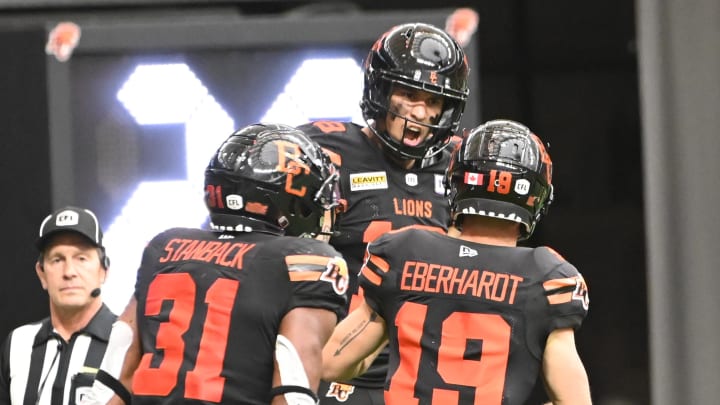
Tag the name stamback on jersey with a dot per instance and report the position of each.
(223, 253)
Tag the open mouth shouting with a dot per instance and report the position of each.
(412, 136)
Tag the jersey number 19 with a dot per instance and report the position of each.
(485, 373)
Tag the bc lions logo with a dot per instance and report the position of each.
(336, 273)
(581, 292)
(340, 391)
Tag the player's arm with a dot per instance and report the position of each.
(133, 354)
(563, 371)
(354, 344)
(298, 354)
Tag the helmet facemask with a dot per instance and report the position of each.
(440, 127)
(314, 217)
(421, 57)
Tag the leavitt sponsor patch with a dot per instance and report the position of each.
(368, 181)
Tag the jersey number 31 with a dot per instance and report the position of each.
(204, 381)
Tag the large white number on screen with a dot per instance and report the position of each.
(328, 88)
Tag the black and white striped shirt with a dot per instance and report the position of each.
(37, 367)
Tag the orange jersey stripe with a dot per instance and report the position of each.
(559, 298)
(559, 283)
(380, 263)
(307, 260)
(304, 275)
(370, 276)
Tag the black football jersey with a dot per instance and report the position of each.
(380, 197)
(210, 305)
(467, 322)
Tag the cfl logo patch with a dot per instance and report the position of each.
(67, 218)
(340, 391)
(234, 201)
(522, 187)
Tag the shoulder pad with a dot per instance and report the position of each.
(309, 267)
(563, 283)
(401, 235)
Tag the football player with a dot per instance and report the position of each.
(472, 318)
(415, 89)
(240, 314)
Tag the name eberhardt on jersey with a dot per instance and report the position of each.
(467, 322)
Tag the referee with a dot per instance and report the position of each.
(54, 361)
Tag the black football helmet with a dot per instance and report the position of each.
(501, 170)
(271, 178)
(423, 57)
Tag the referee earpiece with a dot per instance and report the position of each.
(104, 259)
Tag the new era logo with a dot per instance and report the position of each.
(467, 252)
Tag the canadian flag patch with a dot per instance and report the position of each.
(474, 179)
